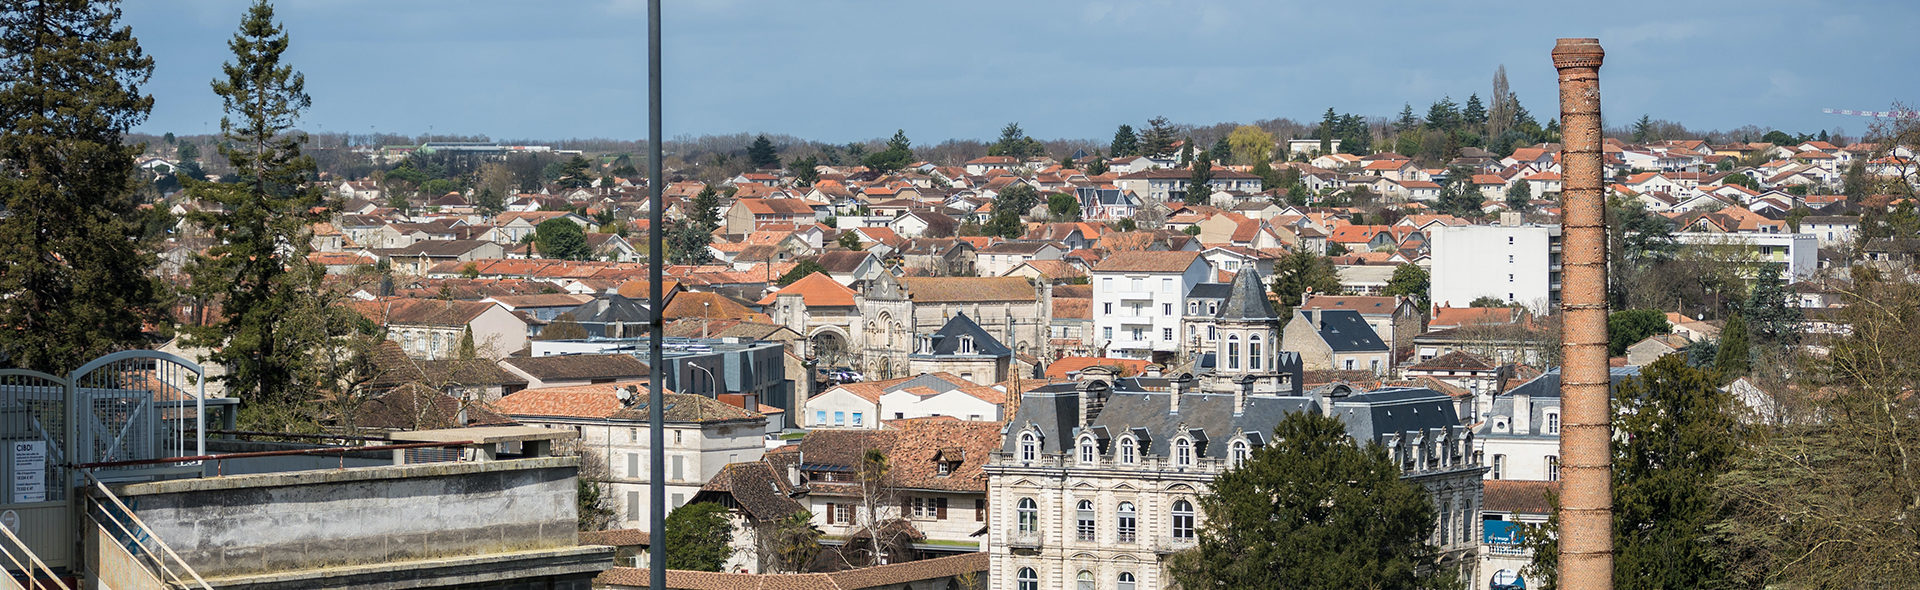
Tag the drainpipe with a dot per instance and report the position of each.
(1586, 515)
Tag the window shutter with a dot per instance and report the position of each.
(940, 508)
(829, 513)
(979, 510)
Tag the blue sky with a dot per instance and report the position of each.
(852, 70)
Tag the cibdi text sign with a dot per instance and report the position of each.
(29, 471)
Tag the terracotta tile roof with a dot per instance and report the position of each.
(1519, 497)
(817, 290)
(542, 300)
(757, 487)
(787, 207)
(1454, 361)
(416, 407)
(1065, 367)
(693, 304)
(968, 289)
(597, 402)
(1147, 261)
(1449, 317)
(912, 447)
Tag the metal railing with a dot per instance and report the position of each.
(33, 574)
(220, 460)
(160, 558)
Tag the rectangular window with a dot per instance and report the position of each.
(845, 512)
(1137, 284)
(1166, 334)
(678, 500)
(633, 435)
(679, 468)
(1106, 283)
(1107, 332)
(979, 510)
(1553, 423)
(820, 417)
(857, 418)
(633, 505)
(1166, 286)
(1349, 364)
(1106, 308)
(1553, 468)
(1499, 466)
(1166, 309)
(839, 418)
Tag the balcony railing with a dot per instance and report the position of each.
(1026, 539)
(1170, 544)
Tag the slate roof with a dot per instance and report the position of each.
(946, 342)
(1247, 299)
(1209, 291)
(575, 367)
(610, 309)
(1363, 304)
(1548, 384)
(1345, 331)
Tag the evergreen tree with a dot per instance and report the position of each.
(1769, 310)
(800, 270)
(1443, 114)
(1221, 151)
(1124, 142)
(1733, 357)
(761, 155)
(1409, 280)
(899, 154)
(1326, 131)
(1314, 510)
(573, 173)
(466, 350)
(1008, 208)
(73, 272)
(489, 202)
(1303, 272)
(1199, 183)
(1643, 129)
(805, 171)
(1520, 196)
(1629, 326)
(1186, 153)
(698, 537)
(1406, 120)
(258, 270)
(1096, 167)
(561, 239)
(1014, 143)
(1158, 138)
(1474, 114)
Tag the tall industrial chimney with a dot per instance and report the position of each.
(1586, 510)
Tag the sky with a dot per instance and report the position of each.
(839, 71)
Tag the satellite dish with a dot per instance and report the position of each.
(624, 394)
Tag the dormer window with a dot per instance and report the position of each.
(1029, 447)
(966, 345)
(1193, 308)
(1183, 453)
(1213, 307)
(1127, 450)
(1088, 451)
(1240, 453)
(1553, 422)
(926, 345)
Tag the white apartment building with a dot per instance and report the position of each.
(1139, 300)
(1512, 263)
(1799, 252)
(702, 436)
(1519, 437)
(864, 405)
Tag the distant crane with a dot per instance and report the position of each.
(1876, 114)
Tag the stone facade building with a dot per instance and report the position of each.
(1097, 482)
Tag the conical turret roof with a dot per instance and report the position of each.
(1247, 299)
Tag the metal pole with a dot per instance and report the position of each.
(1586, 514)
(656, 399)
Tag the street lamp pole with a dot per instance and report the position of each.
(656, 418)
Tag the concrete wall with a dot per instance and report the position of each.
(312, 519)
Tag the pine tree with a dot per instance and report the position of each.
(1407, 120)
(1769, 310)
(1186, 153)
(1733, 358)
(1222, 152)
(1443, 114)
(1475, 113)
(258, 270)
(73, 272)
(762, 155)
(1326, 131)
(1199, 187)
(1124, 142)
(1314, 509)
(1157, 141)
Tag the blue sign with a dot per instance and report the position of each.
(1501, 532)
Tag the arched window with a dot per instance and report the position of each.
(1127, 523)
(1182, 519)
(1126, 581)
(1088, 452)
(1233, 351)
(1029, 446)
(1083, 520)
(1084, 581)
(1028, 513)
(1026, 579)
(1183, 453)
(1127, 448)
(1253, 353)
(1240, 453)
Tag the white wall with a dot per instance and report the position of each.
(1506, 263)
(1121, 306)
(840, 407)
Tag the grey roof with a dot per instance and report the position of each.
(1345, 331)
(1247, 300)
(1548, 384)
(1208, 291)
(1375, 414)
(596, 315)
(946, 342)
(1133, 410)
